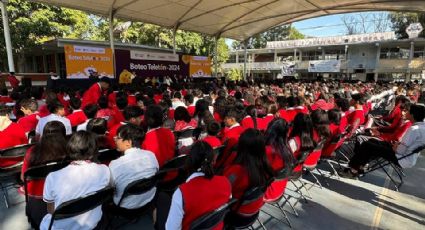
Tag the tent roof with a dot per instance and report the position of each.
(237, 19)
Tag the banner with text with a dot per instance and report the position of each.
(199, 66)
(324, 66)
(148, 64)
(88, 62)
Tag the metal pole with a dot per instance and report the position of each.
(245, 44)
(174, 40)
(5, 18)
(111, 38)
(216, 56)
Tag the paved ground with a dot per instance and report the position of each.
(369, 203)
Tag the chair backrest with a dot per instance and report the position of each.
(175, 163)
(139, 187)
(282, 174)
(107, 155)
(212, 219)
(16, 151)
(415, 151)
(187, 133)
(218, 151)
(41, 171)
(81, 205)
(314, 156)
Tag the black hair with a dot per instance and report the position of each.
(177, 95)
(343, 103)
(334, 116)
(75, 103)
(105, 80)
(418, 112)
(54, 106)
(121, 101)
(82, 146)
(133, 133)
(4, 110)
(277, 137)
(189, 98)
(320, 121)
(358, 97)
(252, 112)
(201, 159)
(103, 102)
(303, 128)
(154, 116)
(181, 114)
(213, 128)
(90, 110)
(98, 126)
(251, 155)
(52, 145)
(132, 112)
(281, 101)
(30, 104)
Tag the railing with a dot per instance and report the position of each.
(254, 66)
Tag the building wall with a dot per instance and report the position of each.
(362, 57)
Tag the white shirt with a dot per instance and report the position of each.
(412, 139)
(177, 103)
(135, 164)
(53, 117)
(83, 126)
(176, 214)
(75, 181)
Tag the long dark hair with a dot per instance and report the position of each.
(320, 121)
(52, 145)
(303, 128)
(251, 155)
(202, 112)
(201, 159)
(277, 137)
(252, 112)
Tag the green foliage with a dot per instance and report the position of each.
(400, 21)
(234, 74)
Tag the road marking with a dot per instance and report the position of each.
(379, 210)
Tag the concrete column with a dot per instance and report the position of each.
(6, 31)
(409, 73)
(245, 58)
(295, 54)
(111, 37)
(275, 55)
(378, 55)
(301, 55)
(237, 56)
(323, 53)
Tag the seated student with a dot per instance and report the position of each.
(202, 185)
(158, 140)
(271, 109)
(90, 111)
(95, 91)
(99, 127)
(250, 169)
(30, 109)
(343, 105)
(356, 117)
(334, 116)
(301, 137)
(213, 128)
(183, 119)
(135, 164)
(50, 97)
(374, 148)
(279, 156)
(81, 178)
(189, 100)
(132, 115)
(177, 100)
(117, 111)
(77, 117)
(57, 112)
(51, 147)
(11, 134)
(250, 120)
(104, 111)
(391, 123)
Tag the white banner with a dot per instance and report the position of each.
(324, 66)
(89, 49)
(335, 40)
(140, 55)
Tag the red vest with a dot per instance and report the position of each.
(161, 142)
(198, 190)
(77, 118)
(28, 123)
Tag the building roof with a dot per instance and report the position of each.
(237, 19)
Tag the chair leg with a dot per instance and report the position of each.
(391, 178)
(304, 185)
(262, 225)
(323, 175)
(333, 168)
(298, 190)
(277, 206)
(317, 180)
(284, 214)
(290, 205)
(5, 195)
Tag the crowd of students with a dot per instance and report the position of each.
(264, 129)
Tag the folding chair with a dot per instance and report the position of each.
(211, 220)
(381, 163)
(105, 156)
(9, 176)
(81, 205)
(172, 174)
(312, 160)
(40, 172)
(137, 187)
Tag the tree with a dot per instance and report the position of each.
(362, 23)
(400, 21)
(33, 23)
(234, 74)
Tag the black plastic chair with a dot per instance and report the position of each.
(381, 163)
(9, 176)
(173, 166)
(212, 219)
(107, 155)
(187, 133)
(40, 172)
(81, 205)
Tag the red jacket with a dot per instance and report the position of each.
(198, 190)
(277, 188)
(77, 117)
(11, 136)
(28, 123)
(92, 95)
(161, 142)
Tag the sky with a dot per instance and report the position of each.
(333, 25)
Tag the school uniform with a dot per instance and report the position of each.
(213, 141)
(187, 205)
(28, 123)
(77, 117)
(92, 95)
(277, 187)
(230, 138)
(161, 142)
(264, 122)
(131, 100)
(356, 115)
(53, 117)
(11, 136)
(191, 110)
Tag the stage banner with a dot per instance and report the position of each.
(131, 63)
(84, 62)
(199, 66)
(324, 66)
